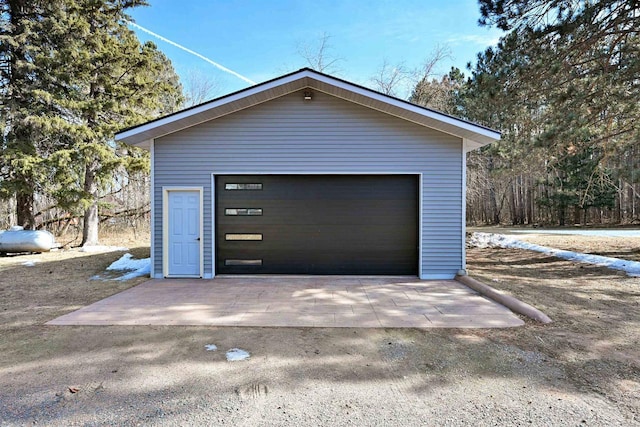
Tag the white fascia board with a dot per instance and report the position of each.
(429, 115)
(434, 115)
(123, 136)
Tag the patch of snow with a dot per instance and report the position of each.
(490, 240)
(137, 273)
(211, 347)
(599, 232)
(31, 263)
(136, 267)
(16, 228)
(126, 262)
(237, 354)
(101, 248)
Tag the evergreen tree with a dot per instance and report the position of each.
(113, 82)
(575, 182)
(562, 86)
(579, 61)
(441, 95)
(74, 74)
(25, 141)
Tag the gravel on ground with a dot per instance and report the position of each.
(582, 369)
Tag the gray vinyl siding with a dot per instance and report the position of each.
(324, 135)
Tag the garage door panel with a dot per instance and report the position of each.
(312, 255)
(329, 224)
(384, 212)
(285, 265)
(318, 187)
(318, 236)
(280, 260)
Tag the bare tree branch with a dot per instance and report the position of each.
(390, 78)
(400, 80)
(199, 87)
(319, 56)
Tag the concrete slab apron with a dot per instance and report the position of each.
(363, 302)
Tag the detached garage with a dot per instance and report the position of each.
(308, 174)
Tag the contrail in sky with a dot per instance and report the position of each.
(204, 58)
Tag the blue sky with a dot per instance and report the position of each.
(261, 39)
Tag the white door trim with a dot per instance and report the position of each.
(165, 228)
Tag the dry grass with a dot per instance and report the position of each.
(59, 282)
(596, 311)
(591, 353)
(111, 236)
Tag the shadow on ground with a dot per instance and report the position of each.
(582, 367)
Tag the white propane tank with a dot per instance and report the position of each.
(19, 240)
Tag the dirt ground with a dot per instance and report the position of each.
(583, 369)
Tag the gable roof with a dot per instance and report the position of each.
(474, 135)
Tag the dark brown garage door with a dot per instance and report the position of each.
(318, 224)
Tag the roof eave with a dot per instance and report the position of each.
(141, 135)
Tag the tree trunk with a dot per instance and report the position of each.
(91, 218)
(512, 204)
(576, 215)
(90, 230)
(520, 202)
(632, 198)
(24, 210)
(16, 11)
(561, 216)
(493, 203)
(529, 202)
(619, 203)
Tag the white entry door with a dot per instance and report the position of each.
(184, 233)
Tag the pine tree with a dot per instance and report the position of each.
(72, 75)
(112, 82)
(25, 140)
(441, 95)
(579, 60)
(575, 182)
(562, 86)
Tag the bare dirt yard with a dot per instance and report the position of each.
(583, 369)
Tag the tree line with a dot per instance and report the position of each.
(563, 87)
(71, 75)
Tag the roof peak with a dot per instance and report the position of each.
(290, 82)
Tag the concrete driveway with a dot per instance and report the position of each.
(318, 301)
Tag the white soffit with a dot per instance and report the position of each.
(475, 136)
